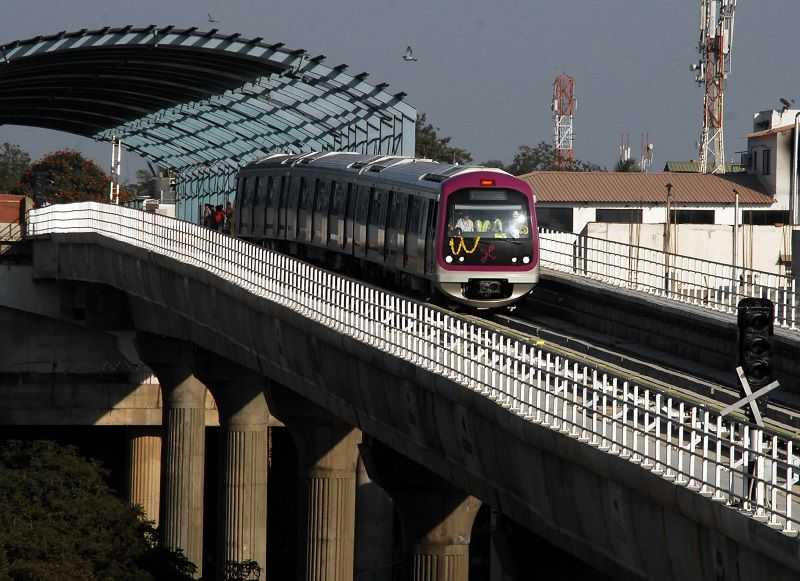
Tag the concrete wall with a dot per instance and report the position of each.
(608, 512)
(759, 247)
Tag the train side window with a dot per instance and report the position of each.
(283, 194)
(412, 233)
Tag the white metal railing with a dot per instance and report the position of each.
(708, 284)
(752, 470)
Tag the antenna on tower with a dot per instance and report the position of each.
(563, 117)
(716, 48)
(646, 161)
(624, 147)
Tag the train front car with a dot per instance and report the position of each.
(487, 241)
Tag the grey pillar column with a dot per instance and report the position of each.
(144, 471)
(243, 473)
(437, 517)
(441, 550)
(374, 527)
(327, 456)
(183, 445)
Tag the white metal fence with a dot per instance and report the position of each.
(712, 285)
(751, 470)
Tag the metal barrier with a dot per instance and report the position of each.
(750, 469)
(708, 284)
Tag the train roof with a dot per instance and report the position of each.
(424, 173)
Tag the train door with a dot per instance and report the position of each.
(306, 209)
(272, 205)
(322, 202)
(283, 203)
(415, 234)
(336, 216)
(259, 206)
(296, 187)
(350, 219)
(363, 200)
(376, 227)
(396, 232)
(430, 236)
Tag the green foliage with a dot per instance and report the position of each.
(60, 520)
(242, 571)
(627, 165)
(66, 176)
(13, 163)
(542, 157)
(430, 145)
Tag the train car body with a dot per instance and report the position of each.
(467, 232)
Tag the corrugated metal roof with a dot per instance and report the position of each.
(693, 165)
(644, 188)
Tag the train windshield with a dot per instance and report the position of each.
(488, 214)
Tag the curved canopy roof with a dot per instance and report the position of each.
(201, 103)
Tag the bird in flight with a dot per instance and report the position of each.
(409, 56)
(211, 18)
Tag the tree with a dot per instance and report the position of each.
(627, 165)
(430, 145)
(13, 163)
(494, 163)
(60, 520)
(66, 176)
(542, 157)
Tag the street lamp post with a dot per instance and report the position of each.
(667, 236)
(734, 241)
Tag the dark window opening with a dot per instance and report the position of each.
(765, 217)
(691, 216)
(619, 216)
(766, 162)
(555, 218)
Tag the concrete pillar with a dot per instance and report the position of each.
(244, 445)
(437, 518)
(144, 471)
(374, 528)
(440, 548)
(183, 446)
(327, 456)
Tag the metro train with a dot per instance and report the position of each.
(464, 234)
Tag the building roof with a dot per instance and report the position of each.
(693, 166)
(644, 188)
(771, 131)
(200, 103)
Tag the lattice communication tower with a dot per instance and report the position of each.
(716, 48)
(563, 117)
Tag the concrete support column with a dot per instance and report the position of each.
(436, 517)
(374, 528)
(144, 471)
(243, 473)
(327, 456)
(440, 550)
(183, 447)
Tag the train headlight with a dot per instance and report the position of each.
(448, 259)
(526, 259)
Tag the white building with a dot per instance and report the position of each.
(570, 200)
(770, 150)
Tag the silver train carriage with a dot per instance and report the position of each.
(466, 232)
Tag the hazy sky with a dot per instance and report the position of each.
(486, 68)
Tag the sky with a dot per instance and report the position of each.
(486, 68)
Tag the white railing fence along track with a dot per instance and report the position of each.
(704, 283)
(750, 469)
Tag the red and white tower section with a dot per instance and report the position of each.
(715, 47)
(563, 118)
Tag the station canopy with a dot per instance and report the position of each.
(201, 104)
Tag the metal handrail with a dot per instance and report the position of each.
(677, 440)
(705, 283)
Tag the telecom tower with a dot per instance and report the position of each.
(716, 44)
(563, 116)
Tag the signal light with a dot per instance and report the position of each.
(755, 320)
(487, 182)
